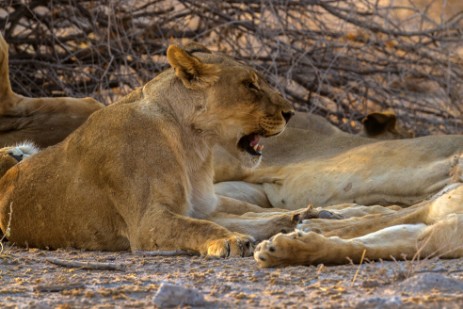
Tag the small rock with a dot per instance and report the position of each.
(371, 283)
(380, 302)
(170, 295)
(426, 282)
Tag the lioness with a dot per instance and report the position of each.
(352, 176)
(44, 121)
(310, 139)
(138, 174)
(350, 179)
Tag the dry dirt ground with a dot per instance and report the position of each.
(28, 279)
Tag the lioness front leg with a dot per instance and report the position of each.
(261, 223)
(164, 230)
(237, 207)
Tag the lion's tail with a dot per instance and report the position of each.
(5, 85)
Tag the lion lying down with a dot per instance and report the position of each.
(138, 175)
(352, 178)
(308, 139)
(45, 121)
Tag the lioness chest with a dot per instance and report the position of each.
(203, 200)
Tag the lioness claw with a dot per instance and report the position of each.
(326, 214)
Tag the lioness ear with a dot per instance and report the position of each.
(378, 123)
(192, 72)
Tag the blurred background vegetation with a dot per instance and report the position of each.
(339, 59)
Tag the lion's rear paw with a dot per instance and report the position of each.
(235, 245)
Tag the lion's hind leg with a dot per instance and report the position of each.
(410, 241)
(443, 239)
(301, 248)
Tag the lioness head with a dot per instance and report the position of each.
(239, 106)
(10, 156)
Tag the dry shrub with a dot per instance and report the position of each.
(339, 59)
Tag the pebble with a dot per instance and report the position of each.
(380, 303)
(171, 295)
(427, 282)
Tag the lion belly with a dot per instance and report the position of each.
(400, 172)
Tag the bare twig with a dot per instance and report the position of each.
(58, 288)
(339, 59)
(164, 253)
(87, 265)
(8, 228)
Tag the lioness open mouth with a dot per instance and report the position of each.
(250, 144)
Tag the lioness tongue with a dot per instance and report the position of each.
(255, 141)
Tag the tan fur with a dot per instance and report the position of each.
(400, 172)
(297, 143)
(310, 139)
(310, 136)
(138, 174)
(44, 121)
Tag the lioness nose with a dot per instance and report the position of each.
(287, 115)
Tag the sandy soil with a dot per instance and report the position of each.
(28, 279)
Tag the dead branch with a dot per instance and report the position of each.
(339, 59)
(58, 288)
(164, 253)
(87, 265)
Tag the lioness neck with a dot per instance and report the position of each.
(186, 108)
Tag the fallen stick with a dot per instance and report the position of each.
(58, 288)
(87, 265)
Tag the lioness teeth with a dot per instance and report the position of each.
(258, 147)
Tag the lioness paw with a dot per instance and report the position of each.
(267, 254)
(285, 249)
(235, 245)
(309, 212)
(327, 214)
